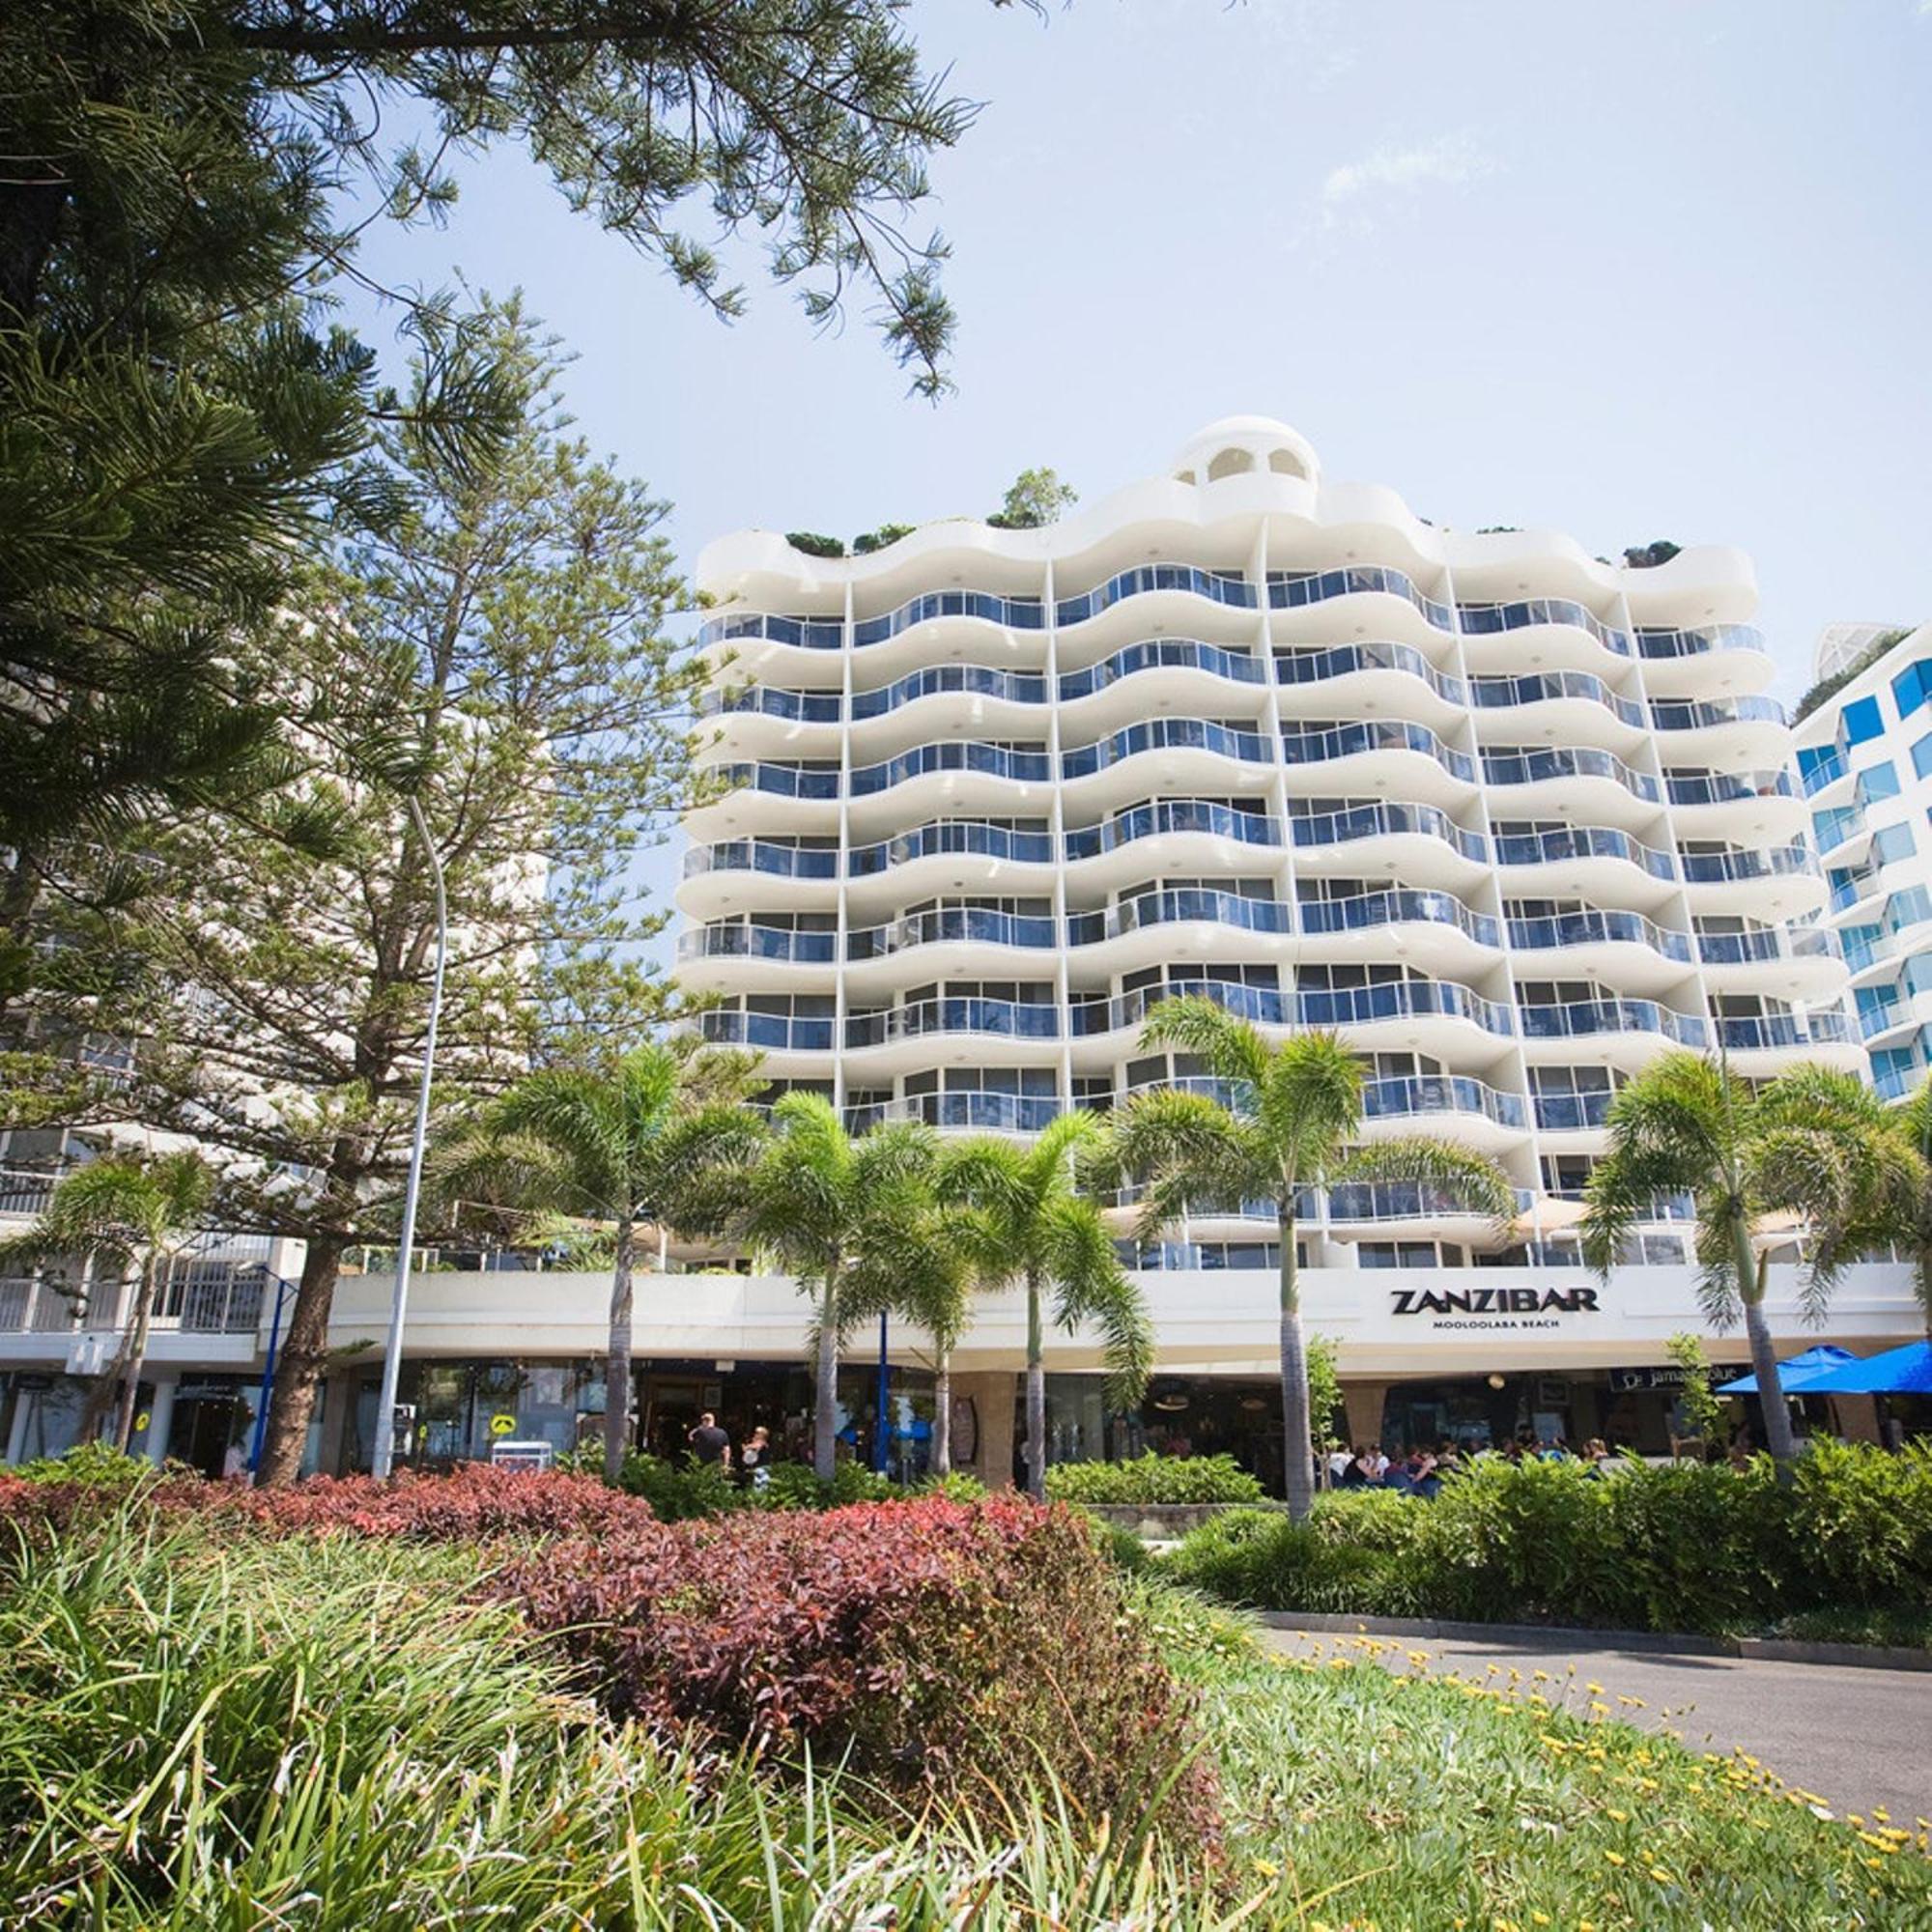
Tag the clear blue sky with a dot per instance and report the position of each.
(1632, 271)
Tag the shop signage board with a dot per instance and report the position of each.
(1495, 1307)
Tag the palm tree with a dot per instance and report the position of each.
(1291, 1123)
(620, 1145)
(849, 1216)
(122, 1212)
(1028, 1222)
(1812, 1147)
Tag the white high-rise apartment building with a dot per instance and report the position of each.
(1510, 818)
(1864, 754)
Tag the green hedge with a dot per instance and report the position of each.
(1154, 1479)
(1684, 1548)
(680, 1491)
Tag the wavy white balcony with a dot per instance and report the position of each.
(1563, 774)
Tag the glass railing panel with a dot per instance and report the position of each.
(760, 942)
(811, 634)
(1533, 767)
(1179, 903)
(1682, 713)
(973, 924)
(952, 838)
(749, 855)
(1496, 692)
(1571, 1113)
(935, 680)
(1727, 788)
(1317, 666)
(1234, 591)
(1394, 908)
(1291, 592)
(782, 781)
(771, 1031)
(1164, 734)
(1014, 614)
(1401, 999)
(1488, 619)
(950, 755)
(1174, 815)
(1401, 1097)
(1777, 862)
(1688, 644)
(1345, 741)
(1014, 1019)
(1581, 1018)
(798, 707)
(1183, 653)
(1369, 821)
(1583, 928)
(1583, 841)
(1827, 772)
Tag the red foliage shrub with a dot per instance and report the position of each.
(970, 1649)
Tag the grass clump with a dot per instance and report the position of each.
(1154, 1479)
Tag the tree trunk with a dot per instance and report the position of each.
(942, 1414)
(299, 1366)
(1925, 1288)
(1751, 1280)
(617, 1364)
(825, 1406)
(1296, 1433)
(1035, 1397)
(136, 1353)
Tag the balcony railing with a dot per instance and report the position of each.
(1165, 734)
(1581, 842)
(1233, 590)
(1014, 686)
(1777, 862)
(1402, 1097)
(1012, 613)
(1533, 766)
(770, 1033)
(769, 700)
(782, 781)
(1772, 1030)
(1177, 904)
(952, 837)
(953, 754)
(1593, 926)
(1401, 999)
(1768, 942)
(1826, 771)
(1262, 1005)
(1007, 1019)
(1174, 653)
(1347, 741)
(1691, 643)
(1294, 590)
(980, 926)
(1571, 1113)
(1374, 821)
(1727, 788)
(1363, 911)
(1683, 714)
(1577, 1018)
(1318, 666)
(1486, 619)
(1489, 693)
(1161, 816)
(810, 633)
(759, 855)
(27, 1190)
(760, 942)
(971, 1111)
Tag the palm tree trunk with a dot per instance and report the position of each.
(1035, 1396)
(1752, 1275)
(1296, 1453)
(136, 1353)
(825, 1407)
(298, 1365)
(618, 1365)
(1925, 1288)
(941, 1414)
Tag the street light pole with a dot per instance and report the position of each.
(392, 1357)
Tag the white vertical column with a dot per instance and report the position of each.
(162, 1416)
(1056, 836)
(1284, 876)
(845, 650)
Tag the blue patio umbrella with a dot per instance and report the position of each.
(1905, 1371)
(1800, 1375)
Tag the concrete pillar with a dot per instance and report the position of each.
(338, 1405)
(994, 1402)
(160, 1416)
(1364, 1403)
(17, 1436)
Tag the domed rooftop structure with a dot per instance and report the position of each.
(1238, 445)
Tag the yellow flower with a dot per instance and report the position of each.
(1267, 1869)
(1622, 1817)
(1883, 1816)
(1540, 1918)
(1595, 1689)
(1615, 1858)
(1661, 1876)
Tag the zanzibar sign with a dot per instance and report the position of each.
(1496, 1307)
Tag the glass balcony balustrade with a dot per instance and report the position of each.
(770, 1032)
(953, 754)
(969, 1111)
(1176, 903)
(1262, 1005)
(1578, 1018)
(1581, 842)
(1233, 591)
(979, 925)
(1405, 1200)
(758, 855)
(1012, 687)
(1177, 653)
(1366, 911)
(1007, 1019)
(1595, 927)
(780, 780)
(1419, 1095)
(1696, 642)
(1771, 943)
(1571, 1113)
(1318, 666)
(796, 707)
(1777, 862)
(1682, 713)
(1828, 771)
(1012, 613)
(1376, 734)
(1164, 734)
(1374, 821)
(1492, 693)
(1727, 788)
(1401, 999)
(1160, 816)
(952, 838)
(1537, 766)
(1479, 621)
(1774, 1030)
(1294, 591)
(809, 633)
(760, 942)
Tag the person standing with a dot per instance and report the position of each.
(755, 1456)
(709, 1443)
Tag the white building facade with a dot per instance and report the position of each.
(1513, 820)
(1865, 756)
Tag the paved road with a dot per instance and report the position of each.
(1858, 1738)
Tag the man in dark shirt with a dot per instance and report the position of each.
(708, 1442)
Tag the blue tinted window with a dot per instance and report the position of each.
(1908, 908)
(1921, 756)
(1877, 782)
(1812, 756)
(1891, 843)
(1861, 722)
(1912, 687)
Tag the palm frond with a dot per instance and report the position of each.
(1091, 1289)
(1472, 1179)
(1229, 1046)
(1311, 1102)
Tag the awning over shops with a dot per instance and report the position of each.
(1905, 1371)
(1800, 1373)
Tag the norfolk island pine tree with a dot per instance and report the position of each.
(1293, 1123)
